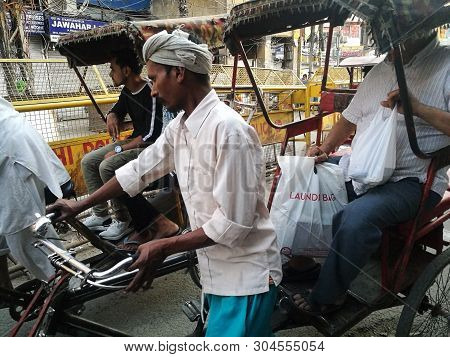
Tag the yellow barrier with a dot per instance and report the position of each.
(71, 151)
(70, 102)
(53, 100)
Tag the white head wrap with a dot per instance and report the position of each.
(176, 50)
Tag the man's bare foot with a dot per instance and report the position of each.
(132, 242)
(304, 306)
(163, 228)
(160, 228)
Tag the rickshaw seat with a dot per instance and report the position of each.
(334, 101)
(428, 220)
(440, 209)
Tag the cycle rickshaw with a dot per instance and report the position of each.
(396, 281)
(55, 306)
(413, 266)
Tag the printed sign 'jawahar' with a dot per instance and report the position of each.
(58, 25)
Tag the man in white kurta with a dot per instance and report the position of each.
(221, 172)
(27, 166)
(219, 163)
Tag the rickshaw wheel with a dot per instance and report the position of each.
(427, 307)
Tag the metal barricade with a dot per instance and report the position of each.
(53, 100)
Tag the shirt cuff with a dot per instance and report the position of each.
(352, 118)
(128, 179)
(223, 231)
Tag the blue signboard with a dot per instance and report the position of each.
(58, 25)
(136, 5)
(33, 21)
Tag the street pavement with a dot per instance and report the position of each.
(157, 312)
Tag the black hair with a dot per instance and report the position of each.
(128, 58)
(193, 37)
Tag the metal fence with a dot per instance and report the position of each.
(53, 100)
(222, 75)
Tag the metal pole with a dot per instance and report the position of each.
(233, 79)
(88, 92)
(100, 79)
(406, 104)
(327, 59)
(253, 81)
(311, 49)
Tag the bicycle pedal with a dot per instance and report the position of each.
(78, 309)
(191, 310)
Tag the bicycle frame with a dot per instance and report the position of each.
(54, 301)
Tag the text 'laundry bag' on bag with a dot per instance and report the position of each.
(304, 204)
(373, 157)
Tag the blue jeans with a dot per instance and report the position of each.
(357, 232)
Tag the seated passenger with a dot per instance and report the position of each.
(27, 167)
(99, 166)
(357, 229)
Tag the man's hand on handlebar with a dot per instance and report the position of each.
(318, 154)
(150, 256)
(64, 209)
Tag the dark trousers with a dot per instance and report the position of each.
(141, 211)
(357, 232)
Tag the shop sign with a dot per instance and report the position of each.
(33, 22)
(58, 26)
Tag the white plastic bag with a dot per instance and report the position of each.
(373, 157)
(304, 205)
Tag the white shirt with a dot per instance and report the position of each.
(428, 79)
(219, 163)
(21, 146)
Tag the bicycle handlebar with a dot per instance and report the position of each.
(62, 259)
(105, 279)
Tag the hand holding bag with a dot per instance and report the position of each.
(305, 203)
(373, 157)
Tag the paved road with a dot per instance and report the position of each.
(157, 312)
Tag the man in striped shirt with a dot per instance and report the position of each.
(357, 229)
(100, 165)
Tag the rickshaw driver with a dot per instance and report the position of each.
(357, 229)
(220, 167)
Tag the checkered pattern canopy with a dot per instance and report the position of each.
(394, 21)
(390, 21)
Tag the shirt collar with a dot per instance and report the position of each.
(195, 121)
